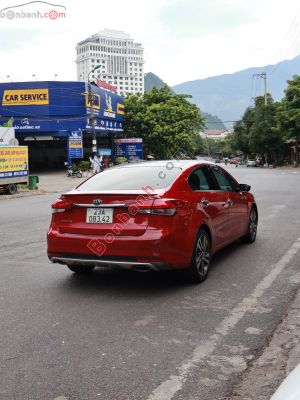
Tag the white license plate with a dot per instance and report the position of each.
(99, 215)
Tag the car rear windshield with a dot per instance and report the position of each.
(132, 178)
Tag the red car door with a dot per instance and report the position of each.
(236, 203)
(211, 202)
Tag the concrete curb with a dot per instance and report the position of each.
(278, 359)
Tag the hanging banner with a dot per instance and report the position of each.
(13, 162)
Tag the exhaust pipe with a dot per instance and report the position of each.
(135, 266)
(142, 268)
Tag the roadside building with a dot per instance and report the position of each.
(291, 153)
(215, 134)
(46, 114)
(119, 57)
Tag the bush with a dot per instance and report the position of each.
(84, 166)
(121, 160)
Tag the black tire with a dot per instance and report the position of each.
(11, 188)
(79, 174)
(252, 227)
(201, 258)
(81, 269)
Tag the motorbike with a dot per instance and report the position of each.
(74, 172)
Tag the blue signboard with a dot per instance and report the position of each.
(131, 149)
(75, 145)
(51, 106)
(104, 152)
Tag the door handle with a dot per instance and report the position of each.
(204, 202)
(228, 203)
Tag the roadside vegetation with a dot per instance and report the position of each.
(264, 129)
(167, 122)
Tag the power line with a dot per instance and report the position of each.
(291, 36)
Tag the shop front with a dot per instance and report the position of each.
(46, 114)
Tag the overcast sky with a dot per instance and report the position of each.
(183, 39)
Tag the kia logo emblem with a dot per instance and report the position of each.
(97, 202)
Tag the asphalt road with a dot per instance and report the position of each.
(118, 335)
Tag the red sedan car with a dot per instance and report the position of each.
(152, 216)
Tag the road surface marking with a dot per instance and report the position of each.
(273, 212)
(253, 331)
(145, 321)
(167, 389)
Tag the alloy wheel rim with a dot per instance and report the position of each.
(253, 224)
(202, 255)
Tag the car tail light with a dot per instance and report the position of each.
(166, 207)
(61, 205)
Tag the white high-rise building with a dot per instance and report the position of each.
(121, 60)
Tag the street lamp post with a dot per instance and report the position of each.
(92, 115)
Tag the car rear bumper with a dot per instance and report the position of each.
(111, 263)
(154, 250)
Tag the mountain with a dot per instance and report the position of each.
(213, 122)
(151, 80)
(229, 95)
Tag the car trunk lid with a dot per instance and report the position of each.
(105, 214)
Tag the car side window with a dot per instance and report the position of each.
(223, 180)
(199, 179)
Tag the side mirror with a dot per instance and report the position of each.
(242, 187)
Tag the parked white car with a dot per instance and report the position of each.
(251, 163)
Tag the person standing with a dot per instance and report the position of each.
(95, 164)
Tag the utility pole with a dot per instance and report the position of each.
(263, 75)
(92, 115)
(92, 118)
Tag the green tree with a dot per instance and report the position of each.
(257, 132)
(167, 122)
(265, 138)
(213, 146)
(240, 138)
(288, 113)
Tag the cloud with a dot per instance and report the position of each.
(194, 18)
(17, 38)
(183, 39)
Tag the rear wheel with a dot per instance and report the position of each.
(201, 258)
(11, 188)
(81, 269)
(79, 174)
(252, 227)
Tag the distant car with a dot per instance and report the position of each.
(152, 216)
(251, 163)
(233, 161)
(217, 161)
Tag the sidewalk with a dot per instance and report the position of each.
(52, 182)
(278, 359)
(49, 182)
